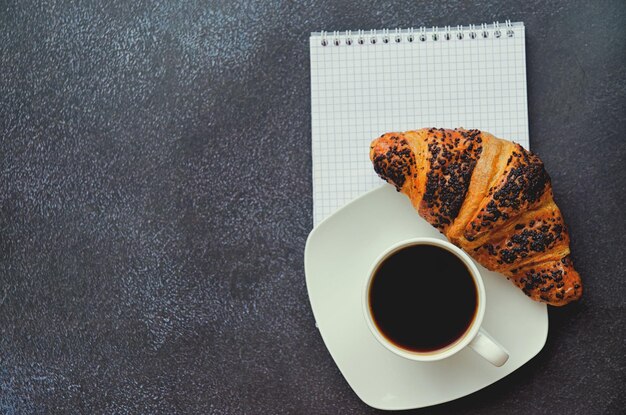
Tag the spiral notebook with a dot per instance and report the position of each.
(366, 83)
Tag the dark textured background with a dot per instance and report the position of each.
(155, 199)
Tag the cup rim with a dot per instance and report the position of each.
(450, 349)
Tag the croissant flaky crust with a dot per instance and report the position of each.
(491, 197)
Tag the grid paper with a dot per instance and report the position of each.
(390, 83)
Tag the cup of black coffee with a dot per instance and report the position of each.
(424, 300)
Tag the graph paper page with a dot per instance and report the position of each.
(360, 91)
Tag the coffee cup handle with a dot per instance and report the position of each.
(489, 349)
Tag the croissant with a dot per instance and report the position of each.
(490, 197)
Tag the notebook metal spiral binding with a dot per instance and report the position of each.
(423, 34)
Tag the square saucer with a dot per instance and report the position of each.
(337, 258)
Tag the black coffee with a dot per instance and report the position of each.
(422, 298)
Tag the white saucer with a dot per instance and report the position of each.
(338, 254)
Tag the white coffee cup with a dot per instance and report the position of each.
(475, 337)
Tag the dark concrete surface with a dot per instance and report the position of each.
(155, 199)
